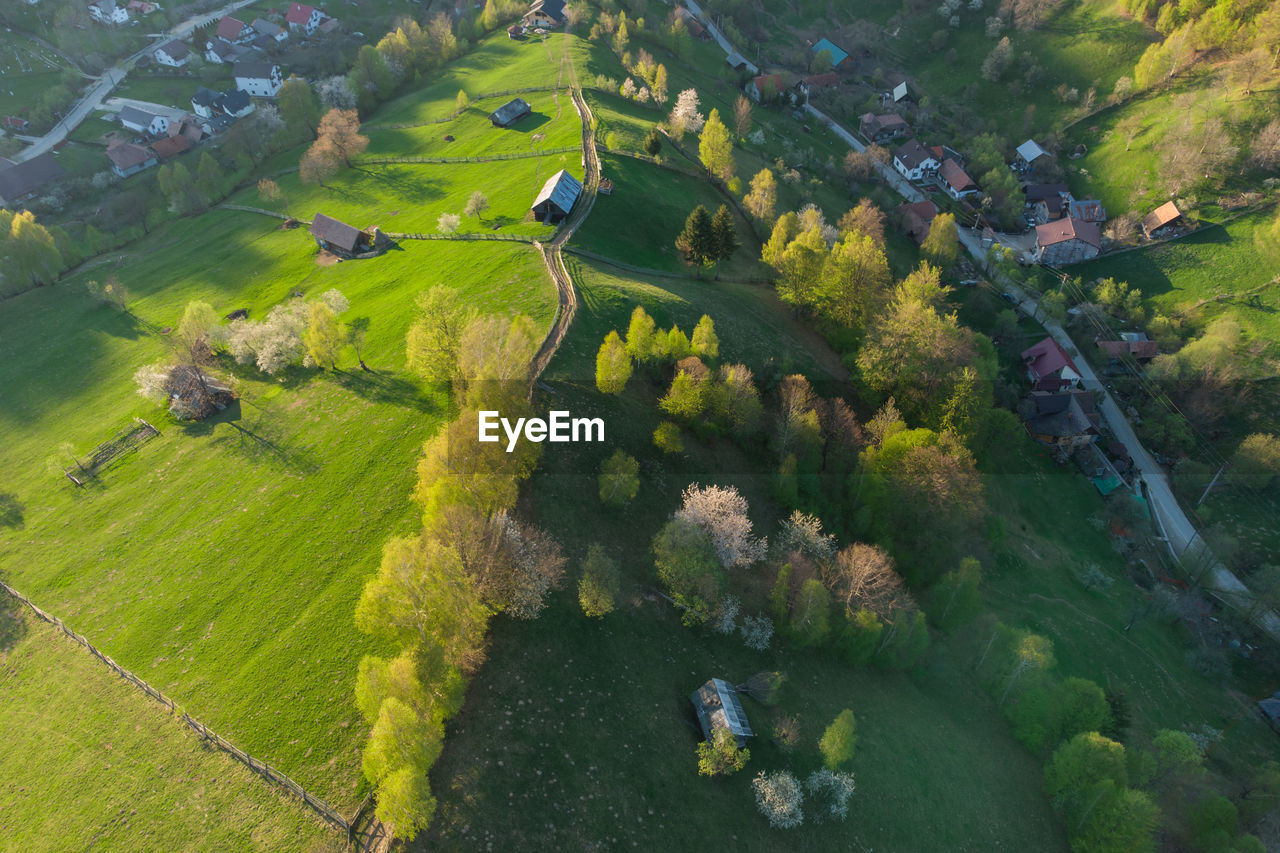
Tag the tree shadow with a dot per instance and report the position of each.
(258, 445)
(11, 511)
(13, 627)
(383, 387)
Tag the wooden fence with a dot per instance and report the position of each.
(319, 806)
(484, 158)
(510, 238)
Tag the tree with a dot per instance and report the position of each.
(338, 139)
(619, 479)
(688, 568)
(705, 344)
(1256, 462)
(686, 398)
(370, 78)
(867, 219)
(653, 141)
(762, 198)
(853, 283)
(1264, 150)
(942, 245)
(448, 223)
(997, 61)
(742, 116)
(721, 512)
(838, 741)
(684, 115)
(956, 598)
(209, 178)
(720, 755)
(811, 614)
(270, 192)
(432, 341)
(697, 241)
(299, 108)
(195, 331)
(599, 584)
(863, 578)
(834, 789)
(405, 804)
(779, 798)
(667, 438)
(477, 204)
(30, 254)
(724, 236)
(613, 365)
(715, 148)
(325, 336)
(642, 342)
(494, 358)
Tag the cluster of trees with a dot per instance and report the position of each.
(781, 797)
(708, 239)
(653, 77)
(435, 593)
(189, 193)
(645, 343)
(29, 252)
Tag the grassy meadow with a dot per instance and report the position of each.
(553, 123)
(27, 70)
(74, 731)
(222, 560)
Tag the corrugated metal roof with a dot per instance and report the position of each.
(510, 111)
(838, 55)
(561, 189)
(1031, 150)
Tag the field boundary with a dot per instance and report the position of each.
(614, 262)
(483, 96)
(486, 158)
(266, 771)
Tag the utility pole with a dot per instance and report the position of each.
(1212, 483)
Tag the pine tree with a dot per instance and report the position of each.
(724, 233)
(697, 240)
(653, 142)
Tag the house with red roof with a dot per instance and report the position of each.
(1049, 368)
(1067, 241)
(765, 87)
(234, 31)
(956, 181)
(304, 18)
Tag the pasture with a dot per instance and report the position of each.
(553, 123)
(222, 560)
(27, 70)
(74, 732)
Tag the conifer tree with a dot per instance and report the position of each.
(697, 240)
(724, 233)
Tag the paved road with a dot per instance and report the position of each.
(113, 77)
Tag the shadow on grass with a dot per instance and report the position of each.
(255, 443)
(383, 387)
(12, 626)
(11, 511)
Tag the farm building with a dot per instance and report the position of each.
(1067, 420)
(21, 180)
(143, 121)
(882, 128)
(917, 217)
(1090, 210)
(692, 24)
(557, 198)
(1131, 345)
(515, 31)
(1047, 201)
(341, 239)
(1027, 154)
(739, 63)
(913, 161)
(17, 123)
(1049, 368)
(956, 181)
(1067, 241)
(547, 14)
(129, 159)
(170, 146)
(838, 55)
(718, 707)
(764, 88)
(808, 85)
(173, 54)
(1162, 217)
(510, 113)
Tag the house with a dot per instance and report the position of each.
(1131, 345)
(718, 707)
(275, 32)
(15, 123)
(328, 25)
(913, 161)
(917, 217)
(741, 64)
(1049, 368)
(107, 12)
(338, 237)
(234, 31)
(220, 52)
(216, 123)
(259, 79)
(1066, 241)
(898, 94)
(814, 82)
(956, 181)
(692, 24)
(1047, 202)
(557, 198)
(1090, 210)
(20, 181)
(188, 128)
(838, 55)
(142, 121)
(129, 159)
(547, 14)
(205, 102)
(882, 128)
(515, 31)
(764, 88)
(1162, 217)
(235, 103)
(142, 7)
(304, 18)
(510, 113)
(170, 146)
(174, 54)
(1067, 420)
(1027, 154)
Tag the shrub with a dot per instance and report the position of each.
(779, 798)
(720, 756)
(838, 741)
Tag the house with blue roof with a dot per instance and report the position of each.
(838, 56)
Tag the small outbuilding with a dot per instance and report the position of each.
(1162, 217)
(882, 128)
(838, 54)
(1027, 154)
(1270, 709)
(21, 181)
(718, 707)
(510, 113)
(557, 198)
(343, 240)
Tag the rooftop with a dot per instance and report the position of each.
(838, 55)
(1068, 228)
(561, 189)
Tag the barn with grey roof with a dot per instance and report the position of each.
(510, 113)
(718, 707)
(557, 197)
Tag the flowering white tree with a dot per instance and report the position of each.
(863, 577)
(833, 791)
(803, 532)
(685, 115)
(448, 223)
(727, 616)
(151, 381)
(335, 94)
(629, 88)
(757, 632)
(778, 796)
(526, 565)
(643, 95)
(722, 512)
(273, 344)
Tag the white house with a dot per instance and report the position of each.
(220, 52)
(143, 121)
(174, 54)
(956, 181)
(266, 28)
(107, 12)
(236, 103)
(259, 79)
(303, 17)
(913, 161)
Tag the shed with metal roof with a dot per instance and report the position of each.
(557, 198)
(718, 707)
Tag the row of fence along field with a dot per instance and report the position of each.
(259, 767)
(124, 442)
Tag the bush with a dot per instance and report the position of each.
(831, 791)
(779, 798)
(599, 585)
(838, 741)
(720, 756)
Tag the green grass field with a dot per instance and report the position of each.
(76, 733)
(170, 91)
(553, 124)
(27, 70)
(222, 561)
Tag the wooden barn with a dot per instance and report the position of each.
(341, 239)
(557, 198)
(510, 113)
(718, 707)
